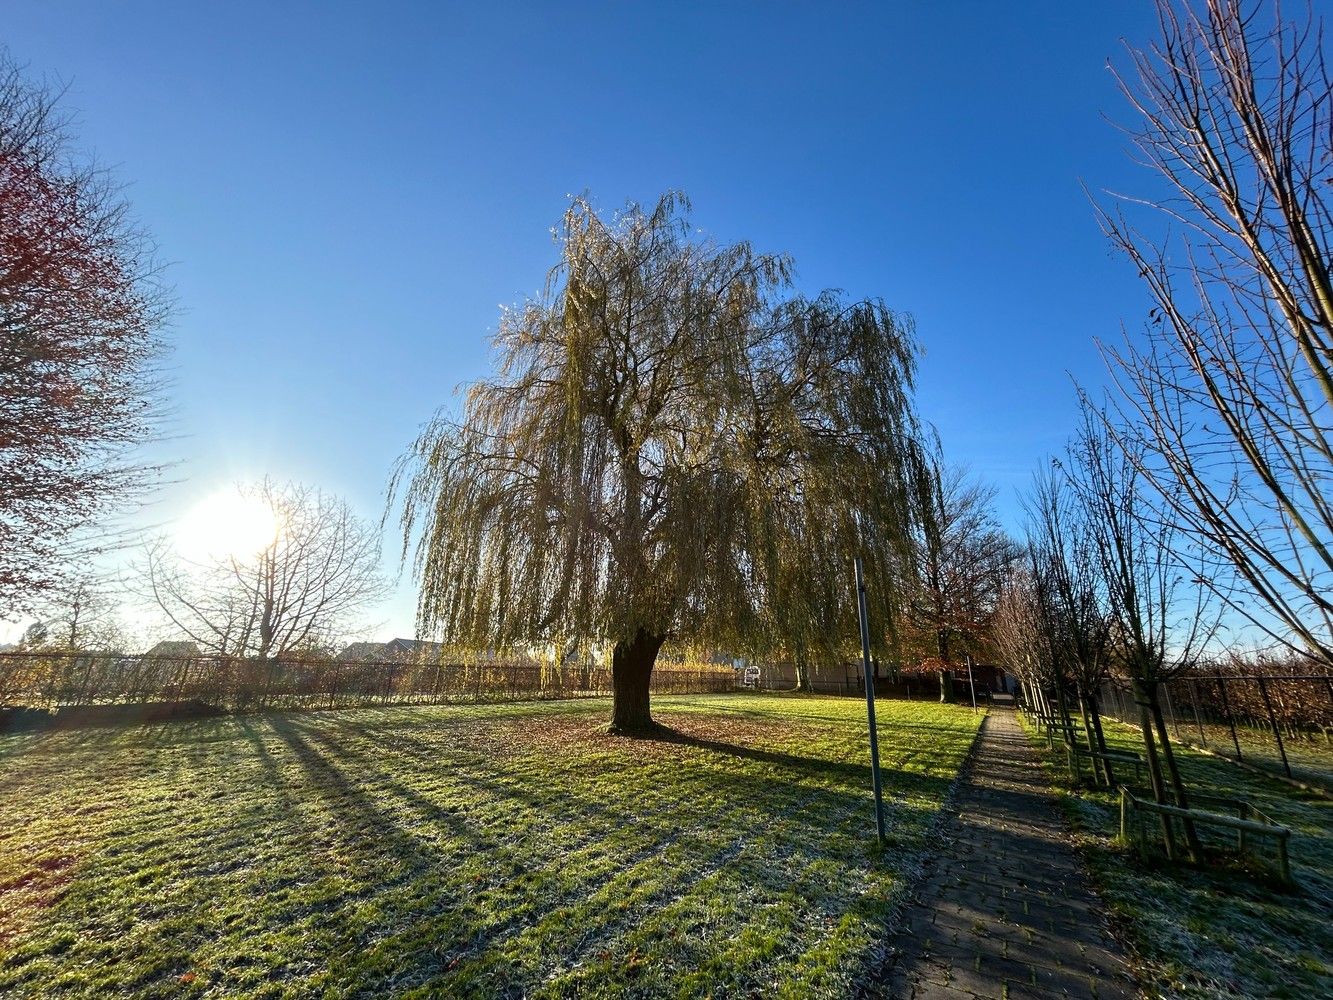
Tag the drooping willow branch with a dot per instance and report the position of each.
(672, 442)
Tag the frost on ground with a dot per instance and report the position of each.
(499, 850)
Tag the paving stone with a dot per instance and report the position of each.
(1008, 911)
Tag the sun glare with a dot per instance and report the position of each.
(227, 525)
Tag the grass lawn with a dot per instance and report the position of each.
(1310, 757)
(1228, 931)
(488, 851)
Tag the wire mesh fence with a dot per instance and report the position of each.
(1280, 722)
(56, 681)
(847, 679)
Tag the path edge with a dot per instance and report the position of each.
(1116, 925)
(916, 871)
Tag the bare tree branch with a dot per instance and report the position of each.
(301, 589)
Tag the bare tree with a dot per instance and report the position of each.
(1019, 631)
(1068, 589)
(299, 590)
(80, 311)
(674, 448)
(1158, 611)
(81, 616)
(1230, 397)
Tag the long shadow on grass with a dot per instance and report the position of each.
(857, 775)
(1275, 941)
(795, 765)
(390, 857)
(432, 943)
(788, 772)
(851, 719)
(337, 777)
(540, 794)
(809, 841)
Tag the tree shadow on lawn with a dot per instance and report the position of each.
(1211, 928)
(788, 773)
(445, 950)
(153, 831)
(852, 774)
(846, 731)
(1308, 815)
(537, 792)
(409, 875)
(853, 717)
(55, 740)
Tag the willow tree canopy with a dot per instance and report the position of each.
(674, 445)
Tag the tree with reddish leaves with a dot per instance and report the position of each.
(80, 313)
(962, 559)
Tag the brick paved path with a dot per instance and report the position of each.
(1007, 911)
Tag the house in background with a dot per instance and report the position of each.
(393, 651)
(359, 652)
(414, 650)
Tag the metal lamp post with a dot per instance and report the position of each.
(870, 700)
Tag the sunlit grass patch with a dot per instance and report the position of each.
(476, 851)
(1228, 931)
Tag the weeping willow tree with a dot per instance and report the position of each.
(674, 447)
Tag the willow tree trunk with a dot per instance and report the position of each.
(631, 673)
(802, 666)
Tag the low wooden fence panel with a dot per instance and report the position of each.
(52, 681)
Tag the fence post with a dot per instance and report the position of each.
(1231, 719)
(1194, 700)
(1277, 732)
(1170, 707)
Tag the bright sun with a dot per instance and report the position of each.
(226, 525)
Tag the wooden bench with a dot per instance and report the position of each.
(1247, 821)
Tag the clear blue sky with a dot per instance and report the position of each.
(348, 192)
